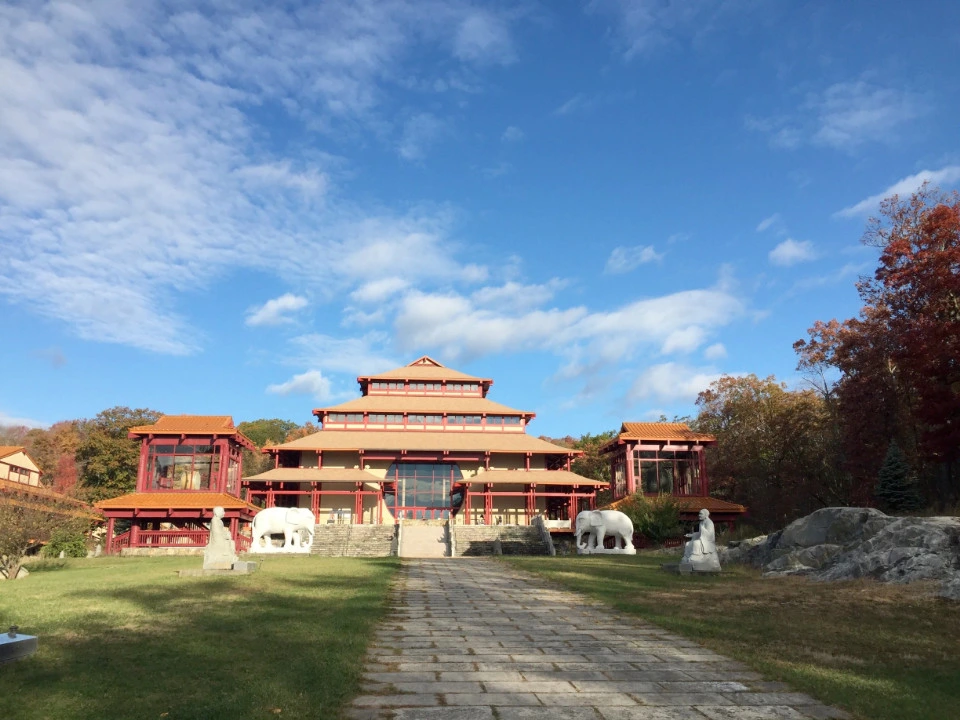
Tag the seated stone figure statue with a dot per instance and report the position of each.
(700, 553)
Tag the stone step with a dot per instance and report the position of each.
(353, 540)
(476, 540)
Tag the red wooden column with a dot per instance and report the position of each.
(315, 499)
(526, 464)
(234, 528)
(628, 469)
(531, 502)
(487, 504)
(142, 467)
(704, 482)
(358, 503)
(270, 498)
(319, 459)
(465, 508)
(573, 506)
(134, 533)
(109, 540)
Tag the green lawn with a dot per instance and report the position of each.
(882, 652)
(127, 638)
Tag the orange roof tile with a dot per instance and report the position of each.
(424, 368)
(193, 425)
(423, 440)
(424, 404)
(540, 477)
(9, 450)
(660, 431)
(174, 501)
(327, 474)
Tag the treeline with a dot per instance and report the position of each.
(93, 459)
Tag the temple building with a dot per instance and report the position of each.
(662, 458)
(189, 464)
(20, 485)
(423, 442)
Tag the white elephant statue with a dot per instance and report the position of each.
(597, 524)
(295, 524)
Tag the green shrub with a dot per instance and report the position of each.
(657, 520)
(70, 542)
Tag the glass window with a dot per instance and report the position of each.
(511, 420)
(415, 418)
(377, 418)
(355, 417)
(433, 419)
(395, 419)
(426, 489)
(337, 417)
(416, 386)
(395, 386)
(454, 419)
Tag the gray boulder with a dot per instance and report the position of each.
(847, 543)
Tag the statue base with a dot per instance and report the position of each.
(607, 551)
(241, 567)
(684, 568)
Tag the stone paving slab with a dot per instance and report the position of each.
(476, 640)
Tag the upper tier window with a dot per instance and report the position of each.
(388, 385)
(503, 419)
(426, 387)
(345, 417)
(463, 419)
(182, 467)
(462, 387)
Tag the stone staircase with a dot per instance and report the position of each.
(353, 540)
(472, 540)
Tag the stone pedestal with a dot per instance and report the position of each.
(16, 647)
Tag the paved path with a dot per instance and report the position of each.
(476, 640)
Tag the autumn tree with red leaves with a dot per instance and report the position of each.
(899, 361)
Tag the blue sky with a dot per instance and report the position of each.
(239, 207)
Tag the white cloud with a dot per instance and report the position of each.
(715, 352)
(791, 252)
(132, 168)
(640, 26)
(347, 355)
(577, 102)
(513, 296)
(274, 312)
(311, 383)
(625, 259)
(419, 132)
(378, 291)
(484, 37)
(905, 186)
(768, 222)
(852, 113)
(461, 328)
(501, 168)
(844, 116)
(15, 421)
(512, 134)
(671, 382)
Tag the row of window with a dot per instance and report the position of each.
(426, 386)
(397, 419)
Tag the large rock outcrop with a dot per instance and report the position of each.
(847, 543)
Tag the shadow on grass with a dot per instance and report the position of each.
(264, 645)
(882, 651)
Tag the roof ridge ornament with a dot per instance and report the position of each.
(426, 360)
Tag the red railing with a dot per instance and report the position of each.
(121, 541)
(170, 538)
(243, 543)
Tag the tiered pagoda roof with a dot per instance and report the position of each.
(214, 425)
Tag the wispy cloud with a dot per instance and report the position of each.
(791, 252)
(844, 116)
(17, 421)
(129, 129)
(276, 311)
(419, 132)
(641, 26)
(769, 222)
(906, 186)
(625, 259)
(577, 102)
(512, 134)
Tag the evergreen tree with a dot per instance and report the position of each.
(896, 490)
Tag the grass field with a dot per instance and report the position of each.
(127, 638)
(882, 652)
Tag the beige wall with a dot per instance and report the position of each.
(22, 461)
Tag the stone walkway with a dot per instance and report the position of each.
(476, 640)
